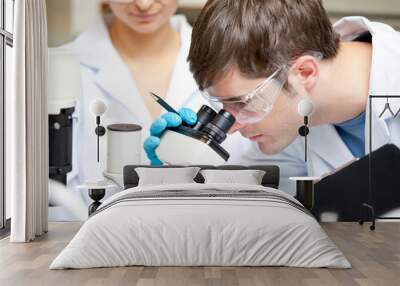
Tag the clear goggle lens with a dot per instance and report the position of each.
(256, 105)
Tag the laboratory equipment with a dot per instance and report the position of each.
(124, 146)
(123, 143)
(64, 89)
(200, 144)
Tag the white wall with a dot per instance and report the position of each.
(67, 18)
(385, 11)
(83, 13)
(382, 7)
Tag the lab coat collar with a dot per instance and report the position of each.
(384, 66)
(383, 79)
(98, 54)
(385, 55)
(325, 142)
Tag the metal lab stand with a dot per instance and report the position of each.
(370, 205)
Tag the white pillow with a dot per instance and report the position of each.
(243, 177)
(166, 176)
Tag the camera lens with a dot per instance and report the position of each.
(219, 126)
(204, 116)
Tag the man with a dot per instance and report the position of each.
(260, 58)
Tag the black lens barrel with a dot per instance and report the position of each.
(212, 125)
(205, 115)
(219, 126)
(224, 120)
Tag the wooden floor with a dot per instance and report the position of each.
(375, 257)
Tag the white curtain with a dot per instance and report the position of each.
(27, 123)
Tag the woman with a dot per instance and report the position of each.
(134, 47)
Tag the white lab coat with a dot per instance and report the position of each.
(105, 76)
(327, 151)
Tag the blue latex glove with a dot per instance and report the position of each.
(158, 127)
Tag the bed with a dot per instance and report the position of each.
(201, 224)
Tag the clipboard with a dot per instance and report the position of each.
(373, 179)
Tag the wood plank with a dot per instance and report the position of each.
(375, 257)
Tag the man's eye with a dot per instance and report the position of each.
(237, 105)
(232, 100)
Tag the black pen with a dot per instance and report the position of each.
(162, 102)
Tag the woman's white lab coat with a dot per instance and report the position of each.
(105, 76)
(327, 150)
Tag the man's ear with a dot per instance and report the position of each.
(304, 73)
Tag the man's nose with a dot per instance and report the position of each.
(236, 127)
(144, 5)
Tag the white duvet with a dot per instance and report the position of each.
(200, 231)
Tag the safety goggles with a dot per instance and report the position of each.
(257, 104)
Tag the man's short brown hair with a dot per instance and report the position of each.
(257, 36)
